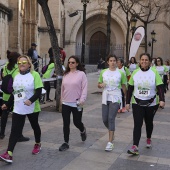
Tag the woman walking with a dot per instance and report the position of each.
(48, 74)
(11, 68)
(168, 67)
(73, 96)
(144, 84)
(27, 87)
(133, 65)
(163, 71)
(111, 80)
(125, 70)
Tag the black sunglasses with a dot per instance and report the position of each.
(71, 62)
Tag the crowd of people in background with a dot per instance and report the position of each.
(142, 84)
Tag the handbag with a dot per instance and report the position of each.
(144, 103)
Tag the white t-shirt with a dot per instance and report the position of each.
(162, 70)
(132, 67)
(145, 83)
(24, 88)
(113, 81)
(35, 55)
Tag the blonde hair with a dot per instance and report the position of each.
(29, 61)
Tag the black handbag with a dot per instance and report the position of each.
(144, 103)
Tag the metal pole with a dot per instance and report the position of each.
(109, 7)
(133, 31)
(83, 33)
(152, 50)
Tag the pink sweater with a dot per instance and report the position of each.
(74, 86)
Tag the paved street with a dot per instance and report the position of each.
(90, 155)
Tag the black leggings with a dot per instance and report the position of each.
(47, 87)
(77, 120)
(123, 98)
(17, 127)
(4, 118)
(139, 114)
(165, 82)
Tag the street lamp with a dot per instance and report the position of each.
(153, 40)
(133, 22)
(84, 27)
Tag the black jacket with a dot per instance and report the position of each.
(31, 52)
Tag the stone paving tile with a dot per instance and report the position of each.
(83, 164)
(126, 164)
(99, 156)
(49, 116)
(164, 161)
(149, 159)
(162, 118)
(160, 129)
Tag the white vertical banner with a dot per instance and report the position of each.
(136, 41)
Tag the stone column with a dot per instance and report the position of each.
(14, 44)
(34, 20)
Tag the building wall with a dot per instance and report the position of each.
(3, 34)
(4, 26)
(96, 20)
(118, 27)
(57, 13)
(4, 2)
(28, 17)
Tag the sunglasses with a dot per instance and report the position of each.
(22, 62)
(71, 62)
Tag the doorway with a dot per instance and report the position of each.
(98, 43)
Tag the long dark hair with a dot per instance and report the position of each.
(159, 58)
(51, 61)
(8, 53)
(12, 59)
(134, 60)
(79, 67)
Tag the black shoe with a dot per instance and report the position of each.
(64, 147)
(2, 136)
(83, 135)
(23, 139)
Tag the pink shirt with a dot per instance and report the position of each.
(74, 86)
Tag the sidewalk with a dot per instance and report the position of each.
(90, 155)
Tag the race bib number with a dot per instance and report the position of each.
(19, 96)
(143, 93)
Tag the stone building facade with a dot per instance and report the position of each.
(96, 20)
(27, 24)
(19, 25)
(4, 15)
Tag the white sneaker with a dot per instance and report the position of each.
(109, 146)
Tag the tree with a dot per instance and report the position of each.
(109, 7)
(55, 47)
(126, 6)
(148, 12)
